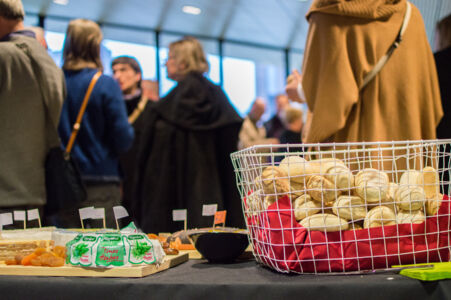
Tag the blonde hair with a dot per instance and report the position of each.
(444, 33)
(189, 53)
(82, 45)
(292, 114)
(12, 9)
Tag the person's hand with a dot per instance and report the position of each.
(273, 141)
(291, 88)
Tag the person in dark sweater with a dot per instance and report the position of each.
(443, 63)
(274, 126)
(128, 73)
(105, 131)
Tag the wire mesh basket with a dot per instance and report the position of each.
(350, 207)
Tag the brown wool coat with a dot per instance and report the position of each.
(345, 40)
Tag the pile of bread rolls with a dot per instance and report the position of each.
(328, 196)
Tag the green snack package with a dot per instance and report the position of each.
(69, 247)
(81, 251)
(110, 250)
(140, 249)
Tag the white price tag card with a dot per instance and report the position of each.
(120, 212)
(19, 215)
(179, 215)
(209, 209)
(86, 212)
(6, 219)
(33, 214)
(98, 213)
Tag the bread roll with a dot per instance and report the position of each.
(320, 166)
(275, 181)
(340, 176)
(351, 208)
(295, 167)
(433, 205)
(431, 182)
(372, 185)
(411, 178)
(325, 223)
(304, 207)
(406, 217)
(296, 189)
(410, 197)
(379, 216)
(254, 202)
(321, 189)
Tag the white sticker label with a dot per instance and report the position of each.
(179, 215)
(7, 219)
(98, 213)
(19, 215)
(209, 209)
(33, 214)
(86, 212)
(120, 212)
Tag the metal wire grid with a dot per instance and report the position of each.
(259, 181)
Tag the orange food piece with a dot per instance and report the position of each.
(26, 261)
(18, 259)
(186, 247)
(52, 261)
(177, 244)
(36, 261)
(152, 236)
(11, 261)
(39, 251)
(60, 251)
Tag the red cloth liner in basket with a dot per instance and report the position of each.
(283, 244)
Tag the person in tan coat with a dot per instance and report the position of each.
(251, 132)
(345, 40)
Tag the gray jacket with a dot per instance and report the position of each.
(24, 131)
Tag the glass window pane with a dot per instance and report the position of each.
(267, 79)
(55, 43)
(31, 20)
(295, 58)
(146, 56)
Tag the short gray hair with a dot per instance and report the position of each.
(12, 9)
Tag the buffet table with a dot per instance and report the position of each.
(197, 279)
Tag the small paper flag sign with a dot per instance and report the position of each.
(120, 212)
(209, 209)
(220, 217)
(19, 215)
(179, 215)
(33, 214)
(6, 219)
(86, 212)
(98, 213)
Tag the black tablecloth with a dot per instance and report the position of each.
(197, 279)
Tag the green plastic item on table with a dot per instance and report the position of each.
(438, 271)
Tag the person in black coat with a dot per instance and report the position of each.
(184, 156)
(443, 63)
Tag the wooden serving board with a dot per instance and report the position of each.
(138, 271)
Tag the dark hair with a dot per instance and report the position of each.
(444, 32)
(127, 60)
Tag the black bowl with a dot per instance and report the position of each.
(220, 247)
